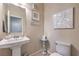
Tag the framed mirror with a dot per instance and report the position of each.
(15, 20)
(14, 23)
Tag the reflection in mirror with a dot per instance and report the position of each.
(15, 24)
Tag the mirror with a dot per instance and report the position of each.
(15, 19)
(14, 23)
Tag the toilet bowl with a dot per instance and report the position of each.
(62, 49)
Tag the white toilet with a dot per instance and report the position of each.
(62, 49)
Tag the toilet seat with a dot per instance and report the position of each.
(55, 54)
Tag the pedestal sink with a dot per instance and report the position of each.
(14, 44)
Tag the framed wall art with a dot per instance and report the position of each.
(35, 17)
(63, 19)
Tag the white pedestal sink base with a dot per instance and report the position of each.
(14, 44)
(16, 51)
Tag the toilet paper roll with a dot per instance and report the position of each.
(44, 38)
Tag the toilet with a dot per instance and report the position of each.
(62, 49)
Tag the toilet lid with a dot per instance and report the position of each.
(55, 54)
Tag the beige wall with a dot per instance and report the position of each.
(66, 35)
(34, 32)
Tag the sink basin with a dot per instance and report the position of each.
(14, 44)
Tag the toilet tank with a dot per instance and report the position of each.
(63, 48)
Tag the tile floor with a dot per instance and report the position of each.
(40, 53)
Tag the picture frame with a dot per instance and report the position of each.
(63, 19)
(35, 17)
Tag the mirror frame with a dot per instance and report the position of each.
(8, 23)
